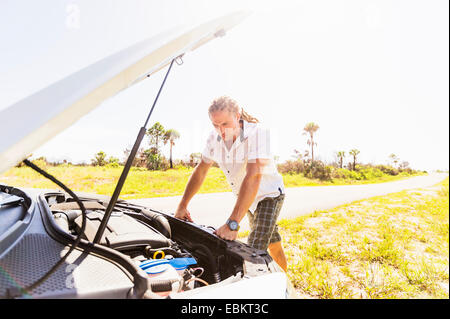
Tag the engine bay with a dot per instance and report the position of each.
(177, 256)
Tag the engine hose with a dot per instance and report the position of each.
(211, 260)
(160, 222)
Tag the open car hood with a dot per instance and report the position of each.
(29, 123)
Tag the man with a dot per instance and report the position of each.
(241, 149)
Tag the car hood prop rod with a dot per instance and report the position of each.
(127, 167)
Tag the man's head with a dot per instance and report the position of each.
(225, 114)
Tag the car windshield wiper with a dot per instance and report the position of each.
(127, 166)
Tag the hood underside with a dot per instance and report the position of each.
(29, 123)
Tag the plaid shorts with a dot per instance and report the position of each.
(263, 227)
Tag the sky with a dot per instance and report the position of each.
(374, 75)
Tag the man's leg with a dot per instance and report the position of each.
(264, 233)
(277, 253)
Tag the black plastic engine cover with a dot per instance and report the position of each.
(122, 231)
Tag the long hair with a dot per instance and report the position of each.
(227, 103)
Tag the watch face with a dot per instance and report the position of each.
(233, 225)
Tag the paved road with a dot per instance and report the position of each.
(213, 209)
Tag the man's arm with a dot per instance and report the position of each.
(192, 187)
(247, 194)
(249, 189)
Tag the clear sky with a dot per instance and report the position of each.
(374, 75)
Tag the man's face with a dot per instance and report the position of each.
(226, 124)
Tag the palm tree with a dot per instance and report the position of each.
(394, 159)
(310, 129)
(170, 136)
(155, 133)
(354, 152)
(340, 155)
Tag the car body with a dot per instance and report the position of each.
(143, 253)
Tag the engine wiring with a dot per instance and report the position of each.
(197, 279)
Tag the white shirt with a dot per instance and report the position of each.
(253, 143)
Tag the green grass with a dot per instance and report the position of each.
(142, 183)
(394, 246)
(296, 180)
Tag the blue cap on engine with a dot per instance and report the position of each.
(182, 263)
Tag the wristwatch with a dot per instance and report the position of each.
(233, 225)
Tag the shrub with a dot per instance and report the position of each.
(155, 160)
(318, 170)
(291, 167)
(343, 173)
(387, 169)
(99, 159)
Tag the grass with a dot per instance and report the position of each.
(142, 183)
(295, 180)
(385, 247)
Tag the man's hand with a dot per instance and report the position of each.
(183, 214)
(226, 233)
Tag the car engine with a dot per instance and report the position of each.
(177, 256)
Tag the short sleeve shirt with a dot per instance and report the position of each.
(253, 143)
